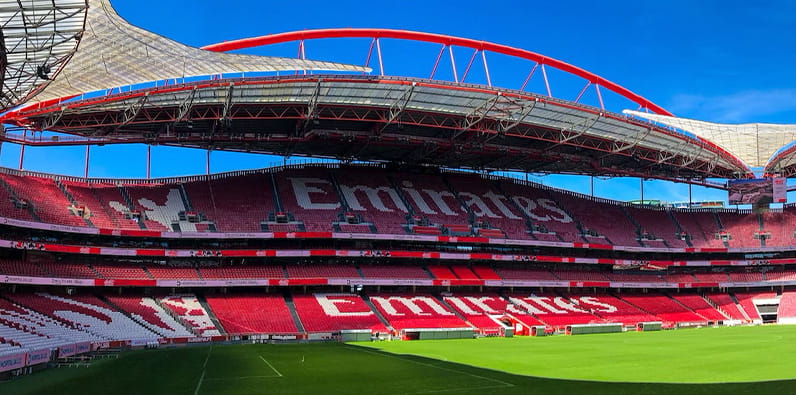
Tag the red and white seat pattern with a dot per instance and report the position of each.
(481, 310)
(430, 198)
(415, 311)
(147, 312)
(240, 203)
(22, 328)
(329, 312)
(369, 193)
(310, 196)
(87, 313)
(490, 206)
(191, 312)
(558, 311)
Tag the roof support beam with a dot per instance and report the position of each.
(132, 110)
(227, 102)
(185, 106)
(397, 108)
(312, 105)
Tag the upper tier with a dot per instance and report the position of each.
(374, 199)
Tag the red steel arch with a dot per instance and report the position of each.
(439, 39)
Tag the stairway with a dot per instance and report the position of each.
(176, 317)
(292, 307)
(184, 196)
(714, 305)
(130, 205)
(275, 193)
(376, 311)
(635, 223)
(738, 304)
(210, 313)
(72, 200)
(442, 301)
(679, 227)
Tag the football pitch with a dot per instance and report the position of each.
(698, 361)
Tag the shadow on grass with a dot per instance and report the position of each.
(360, 370)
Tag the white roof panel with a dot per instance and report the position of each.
(109, 52)
(754, 143)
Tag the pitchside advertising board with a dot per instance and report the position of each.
(758, 191)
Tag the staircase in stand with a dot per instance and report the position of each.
(376, 311)
(292, 307)
(210, 313)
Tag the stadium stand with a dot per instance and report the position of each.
(432, 200)
(242, 272)
(701, 227)
(322, 271)
(188, 310)
(667, 309)
(148, 313)
(699, 305)
(554, 310)
(87, 313)
(489, 206)
(370, 194)
(727, 305)
(786, 311)
(382, 271)
(252, 313)
(611, 308)
(415, 311)
(478, 310)
(310, 196)
(329, 312)
(333, 198)
(234, 204)
(747, 302)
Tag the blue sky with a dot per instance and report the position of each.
(722, 61)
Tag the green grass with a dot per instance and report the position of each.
(553, 365)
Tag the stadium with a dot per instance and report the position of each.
(414, 237)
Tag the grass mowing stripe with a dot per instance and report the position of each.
(271, 366)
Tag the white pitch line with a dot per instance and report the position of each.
(199, 384)
(271, 366)
(207, 358)
(503, 383)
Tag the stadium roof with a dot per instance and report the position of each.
(754, 143)
(393, 118)
(40, 37)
